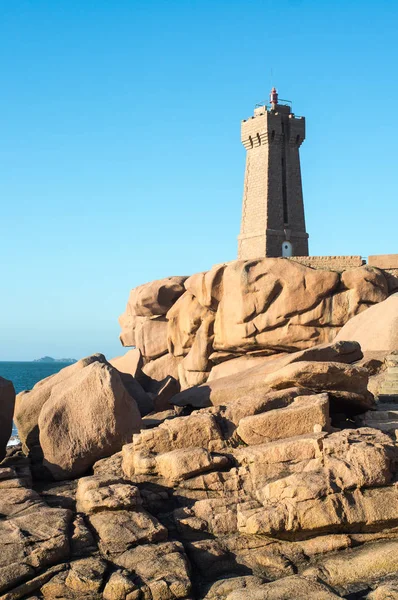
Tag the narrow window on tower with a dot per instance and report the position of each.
(284, 193)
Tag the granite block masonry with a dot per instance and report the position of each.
(273, 222)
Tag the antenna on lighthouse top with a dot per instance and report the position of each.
(273, 98)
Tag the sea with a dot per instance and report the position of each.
(25, 375)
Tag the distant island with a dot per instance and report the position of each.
(49, 359)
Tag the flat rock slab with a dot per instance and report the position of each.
(306, 414)
(162, 567)
(32, 535)
(121, 529)
(358, 565)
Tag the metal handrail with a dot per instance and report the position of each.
(280, 101)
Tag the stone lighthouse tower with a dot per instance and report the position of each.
(273, 221)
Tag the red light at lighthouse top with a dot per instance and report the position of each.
(273, 97)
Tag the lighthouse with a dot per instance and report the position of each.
(273, 221)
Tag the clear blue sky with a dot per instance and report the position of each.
(120, 146)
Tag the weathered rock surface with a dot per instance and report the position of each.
(241, 363)
(282, 305)
(267, 306)
(185, 319)
(321, 376)
(159, 369)
(317, 513)
(255, 485)
(120, 587)
(246, 406)
(349, 488)
(305, 415)
(156, 297)
(193, 432)
(150, 336)
(162, 567)
(87, 417)
(143, 323)
(186, 463)
(28, 404)
(130, 363)
(33, 536)
(359, 565)
(376, 329)
(315, 375)
(343, 352)
(120, 530)
(86, 575)
(287, 588)
(7, 402)
(99, 493)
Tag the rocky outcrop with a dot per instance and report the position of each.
(7, 401)
(306, 516)
(266, 306)
(33, 535)
(377, 329)
(257, 482)
(188, 510)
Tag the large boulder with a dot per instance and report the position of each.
(376, 329)
(7, 401)
(320, 368)
(28, 404)
(157, 297)
(87, 417)
(341, 351)
(320, 376)
(281, 305)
